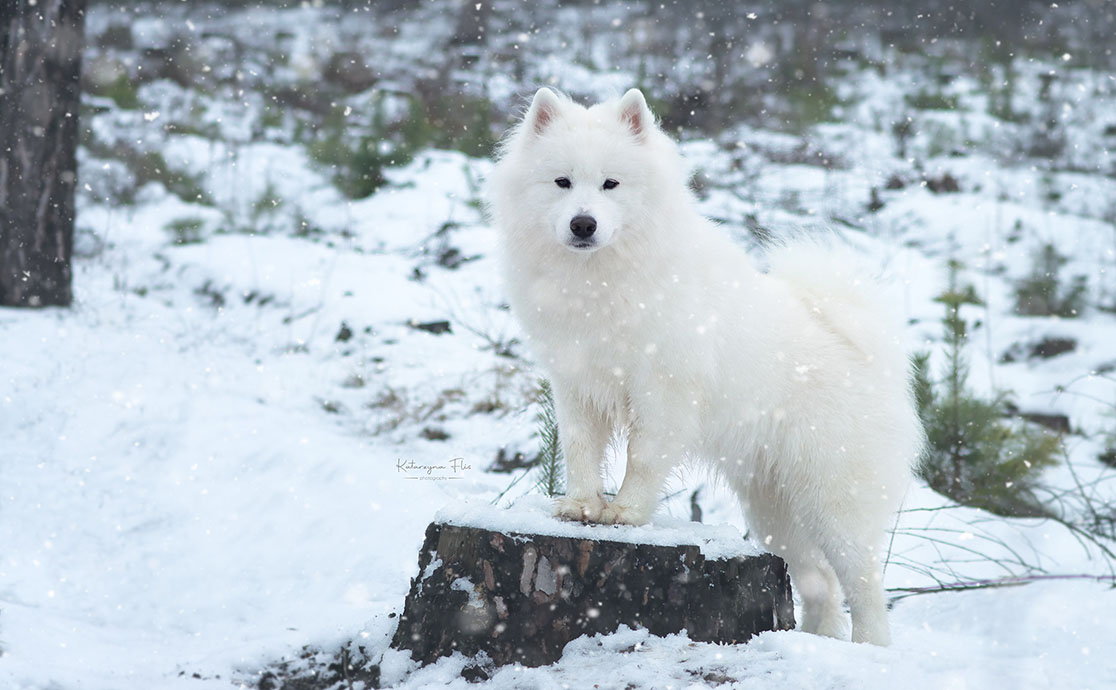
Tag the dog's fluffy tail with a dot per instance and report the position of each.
(845, 295)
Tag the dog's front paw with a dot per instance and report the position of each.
(583, 509)
(618, 514)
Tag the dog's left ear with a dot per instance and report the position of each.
(636, 115)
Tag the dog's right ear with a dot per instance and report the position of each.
(544, 109)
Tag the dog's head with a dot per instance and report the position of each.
(590, 169)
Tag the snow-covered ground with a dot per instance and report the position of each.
(200, 460)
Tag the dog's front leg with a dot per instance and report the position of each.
(584, 433)
(655, 446)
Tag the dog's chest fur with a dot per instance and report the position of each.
(609, 332)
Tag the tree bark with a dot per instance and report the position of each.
(519, 598)
(40, 89)
(472, 22)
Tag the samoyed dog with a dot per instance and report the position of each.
(652, 325)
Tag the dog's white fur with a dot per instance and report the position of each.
(788, 382)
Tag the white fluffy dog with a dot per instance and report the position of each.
(652, 324)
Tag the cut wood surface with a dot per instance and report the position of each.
(520, 597)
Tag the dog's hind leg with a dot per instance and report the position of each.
(820, 591)
(861, 576)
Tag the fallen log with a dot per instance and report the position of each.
(517, 585)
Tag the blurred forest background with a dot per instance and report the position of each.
(453, 74)
(284, 282)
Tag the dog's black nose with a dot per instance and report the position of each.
(583, 226)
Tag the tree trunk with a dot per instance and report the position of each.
(472, 22)
(520, 598)
(40, 90)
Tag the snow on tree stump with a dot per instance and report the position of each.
(518, 585)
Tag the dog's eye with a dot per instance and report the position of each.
(610, 184)
(563, 182)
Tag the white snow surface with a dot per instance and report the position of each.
(533, 515)
(967, 640)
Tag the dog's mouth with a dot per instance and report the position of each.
(582, 245)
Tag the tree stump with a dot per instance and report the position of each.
(518, 585)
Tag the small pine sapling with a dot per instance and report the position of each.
(975, 454)
(1107, 453)
(550, 470)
